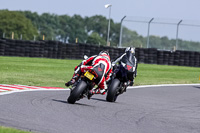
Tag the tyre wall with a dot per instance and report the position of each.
(59, 50)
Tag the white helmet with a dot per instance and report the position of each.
(105, 54)
(132, 50)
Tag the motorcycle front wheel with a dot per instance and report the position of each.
(77, 91)
(112, 91)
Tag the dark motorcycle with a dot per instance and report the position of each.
(84, 84)
(120, 81)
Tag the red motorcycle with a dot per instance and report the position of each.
(82, 87)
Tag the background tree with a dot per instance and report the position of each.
(77, 29)
(17, 23)
(94, 38)
(114, 33)
(97, 24)
(89, 29)
(48, 25)
(64, 29)
(131, 38)
(155, 41)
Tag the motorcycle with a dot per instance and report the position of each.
(84, 84)
(120, 80)
(81, 88)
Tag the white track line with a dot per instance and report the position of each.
(162, 85)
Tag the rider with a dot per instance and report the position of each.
(123, 59)
(102, 62)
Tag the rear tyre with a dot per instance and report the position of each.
(76, 93)
(112, 91)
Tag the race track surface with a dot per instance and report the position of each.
(139, 110)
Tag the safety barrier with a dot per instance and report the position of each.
(179, 58)
(59, 50)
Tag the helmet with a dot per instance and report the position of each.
(132, 50)
(105, 54)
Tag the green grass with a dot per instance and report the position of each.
(36, 71)
(55, 72)
(164, 74)
(10, 130)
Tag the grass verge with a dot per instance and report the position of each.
(10, 130)
(55, 72)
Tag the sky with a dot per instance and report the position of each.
(176, 9)
(167, 9)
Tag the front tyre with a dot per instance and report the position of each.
(77, 91)
(112, 91)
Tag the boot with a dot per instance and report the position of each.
(72, 81)
(99, 91)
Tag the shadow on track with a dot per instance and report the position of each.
(61, 101)
(198, 87)
(99, 99)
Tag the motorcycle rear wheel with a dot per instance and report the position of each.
(77, 91)
(112, 91)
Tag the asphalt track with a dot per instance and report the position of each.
(172, 109)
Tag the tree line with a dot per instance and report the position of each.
(93, 30)
(58, 27)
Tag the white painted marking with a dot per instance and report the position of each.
(10, 92)
(12, 89)
(162, 85)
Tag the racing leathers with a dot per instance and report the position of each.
(101, 63)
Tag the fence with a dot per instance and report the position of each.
(59, 50)
(166, 34)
